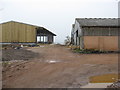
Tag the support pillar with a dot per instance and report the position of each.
(40, 38)
(43, 39)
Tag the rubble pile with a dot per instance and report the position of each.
(114, 85)
(17, 54)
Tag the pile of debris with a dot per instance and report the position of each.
(18, 46)
(17, 54)
(12, 46)
(114, 85)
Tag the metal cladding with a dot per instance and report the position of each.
(96, 33)
(18, 32)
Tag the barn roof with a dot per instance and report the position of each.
(20, 23)
(40, 28)
(97, 21)
(44, 31)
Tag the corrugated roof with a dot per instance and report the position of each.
(98, 21)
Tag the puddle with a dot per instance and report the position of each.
(42, 46)
(106, 78)
(91, 65)
(29, 49)
(53, 61)
(101, 81)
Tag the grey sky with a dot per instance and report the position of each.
(56, 15)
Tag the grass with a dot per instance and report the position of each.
(5, 63)
(90, 51)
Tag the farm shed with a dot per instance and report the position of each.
(96, 33)
(17, 32)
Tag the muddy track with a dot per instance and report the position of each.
(58, 67)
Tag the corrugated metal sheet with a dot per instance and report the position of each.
(18, 32)
(102, 31)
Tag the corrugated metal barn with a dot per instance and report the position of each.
(96, 33)
(17, 32)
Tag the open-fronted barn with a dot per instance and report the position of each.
(17, 32)
(96, 33)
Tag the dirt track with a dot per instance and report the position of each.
(70, 70)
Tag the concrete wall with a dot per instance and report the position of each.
(108, 43)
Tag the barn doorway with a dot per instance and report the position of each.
(44, 36)
(42, 39)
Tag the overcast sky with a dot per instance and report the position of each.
(56, 15)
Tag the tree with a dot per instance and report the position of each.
(67, 40)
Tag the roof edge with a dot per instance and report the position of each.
(20, 23)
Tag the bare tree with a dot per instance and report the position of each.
(67, 40)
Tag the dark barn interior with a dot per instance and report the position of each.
(44, 35)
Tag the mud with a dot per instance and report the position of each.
(71, 71)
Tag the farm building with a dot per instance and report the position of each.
(17, 32)
(96, 33)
